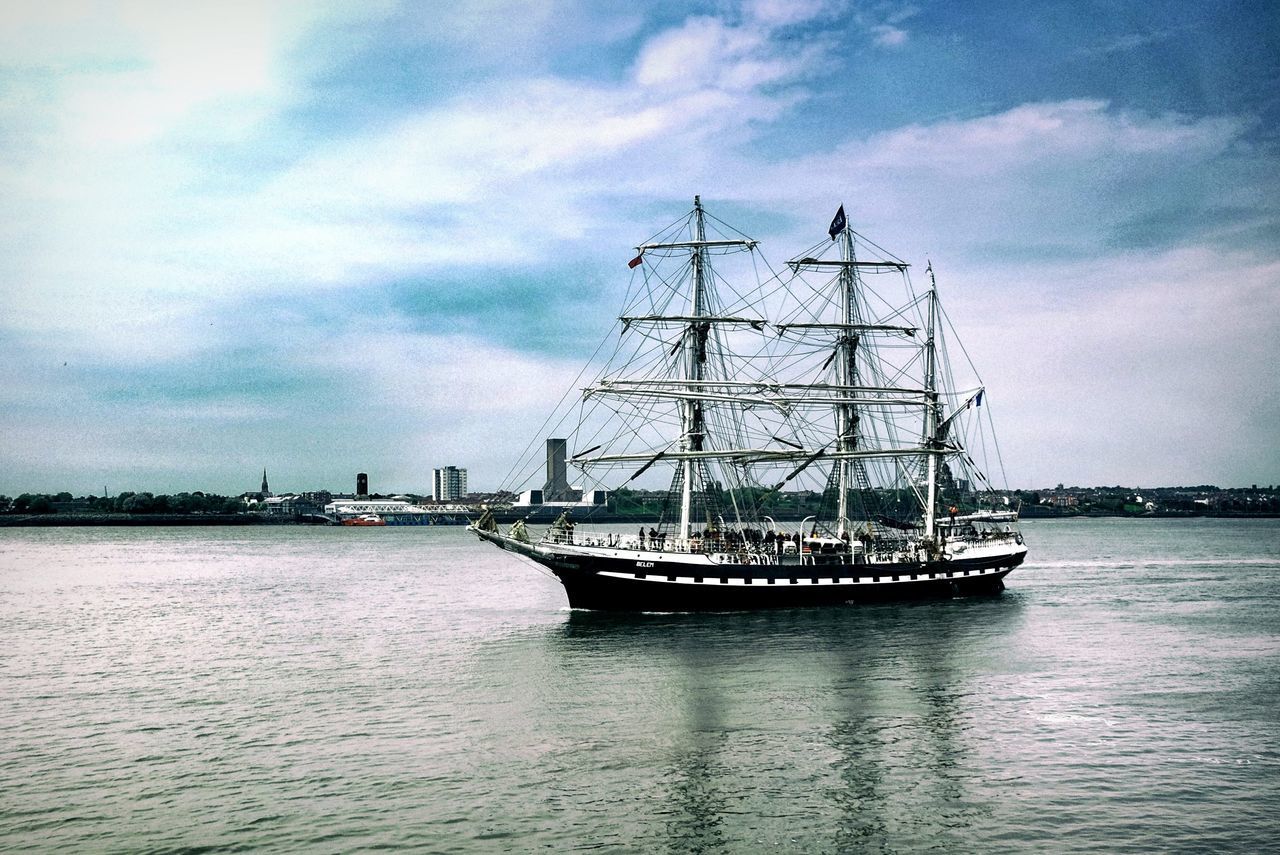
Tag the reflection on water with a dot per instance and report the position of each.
(874, 713)
(902, 735)
(695, 771)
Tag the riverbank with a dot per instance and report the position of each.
(56, 520)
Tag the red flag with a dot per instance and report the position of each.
(635, 262)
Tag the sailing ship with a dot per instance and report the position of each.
(742, 390)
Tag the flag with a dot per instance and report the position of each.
(978, 400)
(635, 262)
(837, 225)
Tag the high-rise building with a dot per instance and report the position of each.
(448, 484)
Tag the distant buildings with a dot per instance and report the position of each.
(448, 484)
(557, 491)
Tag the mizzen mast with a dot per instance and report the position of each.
(932, 412)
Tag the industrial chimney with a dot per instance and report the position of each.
(557, 486)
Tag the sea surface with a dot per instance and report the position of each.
(348, 689)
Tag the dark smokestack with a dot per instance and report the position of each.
(557, 485)
(362, 484)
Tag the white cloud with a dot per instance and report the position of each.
(113, 179)
(888, 36)
(1038, 133)
(128, 73)
(1158, 369)
(883, 22)
(504, 172)
(783, 13)
(1056, 176)
(704, 52)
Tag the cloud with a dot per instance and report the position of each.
(889, 36)
(883, 23)
(1133, 40)
(188, 196)
(709, 53)
(362, 392)
(1154, 373)
(775, 14)
(502, 173)
(128, 73)
(1112, 272)
(1062, 178)
(132, 249)
(1037, 133)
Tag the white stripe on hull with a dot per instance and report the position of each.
(781, 581)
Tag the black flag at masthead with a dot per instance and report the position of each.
(837, 225)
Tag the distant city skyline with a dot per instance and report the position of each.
(328, 238)
(1046, 490)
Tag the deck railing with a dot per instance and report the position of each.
(736, 550)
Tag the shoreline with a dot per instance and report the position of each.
(203, 520)
(63, 520)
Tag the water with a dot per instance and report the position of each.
(343, 689)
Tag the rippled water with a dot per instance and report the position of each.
(341, 689)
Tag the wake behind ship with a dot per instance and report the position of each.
(740, 389)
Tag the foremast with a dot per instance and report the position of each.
(697, 327)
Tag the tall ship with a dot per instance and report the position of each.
(734, 387)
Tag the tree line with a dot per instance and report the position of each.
(125, 503)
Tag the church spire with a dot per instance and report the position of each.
(266, 491)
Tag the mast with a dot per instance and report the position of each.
(847, 375)
(931, 410)
(695, 358)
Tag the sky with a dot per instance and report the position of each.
(328, 238)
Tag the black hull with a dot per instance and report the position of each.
(623, 584)
(587, 590)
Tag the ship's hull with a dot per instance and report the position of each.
(650, 582)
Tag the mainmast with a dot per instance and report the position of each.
(847, 375)
(932, 414)
(691, 416)
(849, 331)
